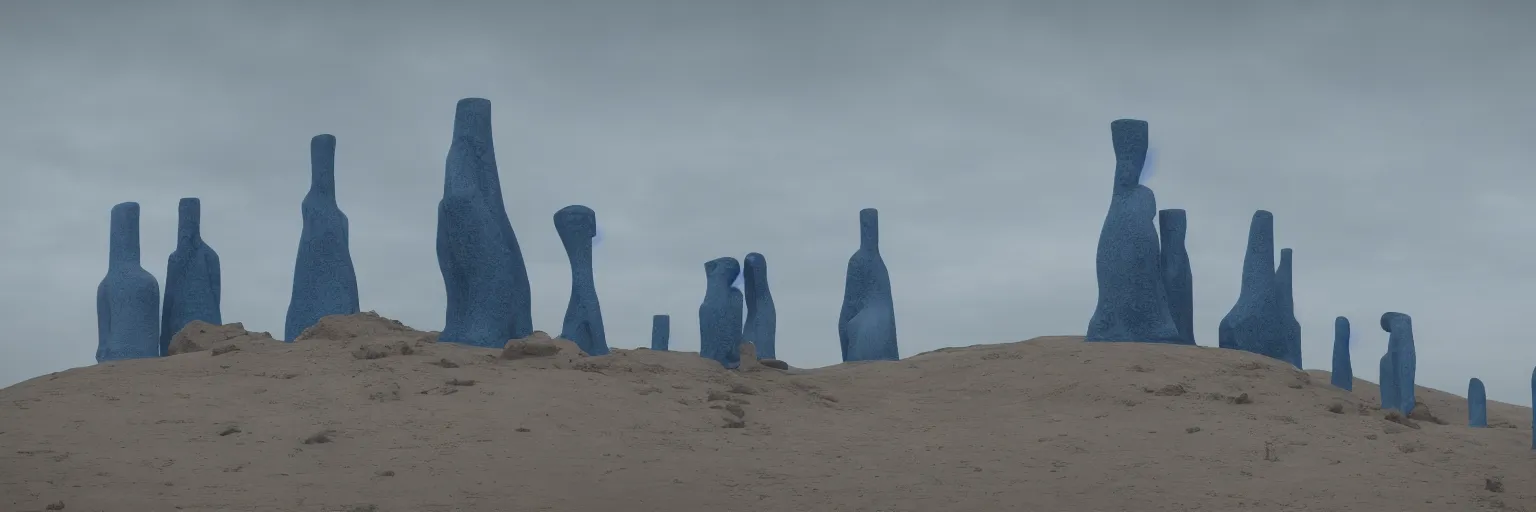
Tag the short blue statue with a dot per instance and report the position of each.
(1288, 309)
(192, 281)
(1343, 369)
(128, 298)
(324, 281)
(1254, 324)
(1388, 383)
(489, 298)
(1178, 282)
(661, 332)
(583, 323)
(1133, 304)
(761, 315)
(1477, 404)
(720, 314)
(866, 327)
(1404, 358)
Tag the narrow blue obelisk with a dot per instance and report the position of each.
(192, 280)
(720, 313)
(1178, 281)
(1343, 369)
(1404, 358)
(324, 281)
(661, 332)
(762, 318)
(489, 298)
(1132, 303)
(1477, 404)
(128, 298)
(1388, 385)
(576, 225)
(866, 327)
(1287, 309)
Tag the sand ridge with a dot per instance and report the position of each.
(363, 413)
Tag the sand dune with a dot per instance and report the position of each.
(365, 414)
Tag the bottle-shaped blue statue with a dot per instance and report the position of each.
(1254, 324)
(661, 332)
(1288, 309)
(720, 314)
(1343, 369)
(1132, 304)
(761, 328)
(489, 298)
(128, 298)
(1404, 358)
(1477, 404)
(324, 281)
(192, 280)
(866, 327)
(1178, 281)
(583, 323)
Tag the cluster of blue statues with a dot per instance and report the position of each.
(1145, 288)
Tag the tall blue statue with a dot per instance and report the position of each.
(1343, 369)
(1133, 304)
(1388, 385)
(762, 318)
(1178, 281)
(583, 323)
(192, 281)
(489, 298)
(1533, 409)
(866, 327)
(1477, 404)
(1288, 309)
(661, 332)
(128, 298)
(720, 314)
(324, 281)
(1254, 324)
(1404, 358)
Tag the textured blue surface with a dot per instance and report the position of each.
(761, 328)
(866, 327)
(489, 298)
(1533, 409)
(720, 314)
(1343, 368)
(1404, 358)
(1388, 382)
(128, 298)
(1288, 309)
(583, 323)
(1254, 324)
(661, 332)
(1132, 305)
(1477, 404)
(324, 281)
(1178, 281)
(192, 280)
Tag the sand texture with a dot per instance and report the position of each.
(365, 414)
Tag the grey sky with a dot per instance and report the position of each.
(1391, 140)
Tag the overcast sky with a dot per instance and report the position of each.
(1391, 140)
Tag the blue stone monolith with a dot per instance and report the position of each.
(1477, 404)
(1287, 305)
(324, 281)
(583, 323)
(128, 298)
(661, 332)
(192, 280)
(1133, 304)
(1388, 382)
(488, 294)
(761, 328)
(1404, 358)
(720, 314)
(1178, 282)
(1533, 409)
(1254, 324)
(1343, 369)
(866, 327)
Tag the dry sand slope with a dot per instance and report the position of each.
(364, 414)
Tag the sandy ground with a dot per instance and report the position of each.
(364, 414)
